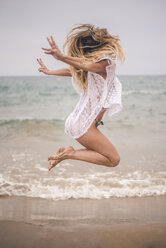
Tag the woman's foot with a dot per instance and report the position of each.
(59, 156)
(60, 149)
(61, 153)
(52, 163)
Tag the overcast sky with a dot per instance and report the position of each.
(24, 25)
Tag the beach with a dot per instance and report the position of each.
(78, 204)
(50, 90)
(132, 222)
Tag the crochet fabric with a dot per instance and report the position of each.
(102, 93)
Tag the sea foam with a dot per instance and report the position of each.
(90, 186)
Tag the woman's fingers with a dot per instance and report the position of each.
(43, 67)
(49, 41)
(42, 62)
(53, 42)
(40, 69)
(39, 62)
(46, 49)
(54, 50)
(48, 52)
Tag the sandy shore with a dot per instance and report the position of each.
(17, 234)
(130, 222)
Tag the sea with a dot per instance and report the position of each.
(33, 110)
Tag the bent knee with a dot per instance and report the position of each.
(114, 161)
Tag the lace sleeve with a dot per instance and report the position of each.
(105, 57)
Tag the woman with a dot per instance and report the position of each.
(91, 58)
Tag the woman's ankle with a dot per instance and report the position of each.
(69, 153)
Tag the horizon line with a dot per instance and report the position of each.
(69, 76)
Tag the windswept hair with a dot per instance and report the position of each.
(90, 42)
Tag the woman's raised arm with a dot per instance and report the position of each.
(81, 63)
(60, 72)
(99, 67)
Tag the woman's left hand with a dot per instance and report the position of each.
(54, 50)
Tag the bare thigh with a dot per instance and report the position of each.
(95, 140)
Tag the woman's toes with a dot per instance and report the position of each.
(61, 149)
(52, 157)
(61, 152)
(52, 164)
(69, 148)
(49, 158)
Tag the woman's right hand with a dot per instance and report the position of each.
(43, 68)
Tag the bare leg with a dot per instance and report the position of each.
(88, 156)
(80, 154)
(99, 149)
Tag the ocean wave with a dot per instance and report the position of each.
(146, 92)
(29, 120)
(91, 186)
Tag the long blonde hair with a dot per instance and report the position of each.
(90, 42)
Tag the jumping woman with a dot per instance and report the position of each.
(91, 56)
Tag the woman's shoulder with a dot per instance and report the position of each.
(110, 68)
(105, 56)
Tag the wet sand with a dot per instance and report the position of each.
(128, 222)
(17, 234)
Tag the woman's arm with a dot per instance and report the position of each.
(80, 63)
(85, 65)
(60, 72)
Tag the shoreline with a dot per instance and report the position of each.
(113, 210)
(24, 235)
(115, 222)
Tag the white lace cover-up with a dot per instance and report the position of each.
(102, 93)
